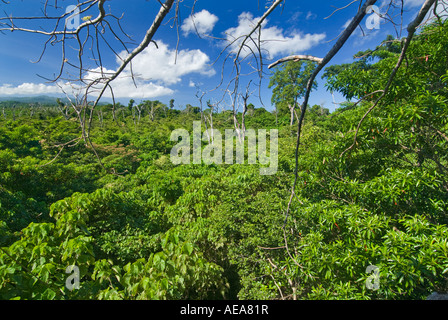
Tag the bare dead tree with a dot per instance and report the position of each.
(100, 117)
(139, 111)
(200, 96)
(236, 124)
(153, 107)
(244, 51)
(63, 108)
(245, 98)
(31, 110)
(212, 107)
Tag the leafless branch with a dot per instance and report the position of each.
(62, 147)
(341, 8)
(295, 58)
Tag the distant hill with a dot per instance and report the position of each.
(37, 99)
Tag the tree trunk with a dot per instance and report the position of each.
(211, 123)
(291, 109)
(139, 110)
(243, 119)
(100, 117)
(114, 118)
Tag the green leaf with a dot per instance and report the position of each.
(188, 248)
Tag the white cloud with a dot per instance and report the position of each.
(154, 70)
(123, 88)
(164, 66)
(345, 25)
(28, 89)
(273, 39)
(310, 16)
(202, 23)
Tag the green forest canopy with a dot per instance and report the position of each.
(155, 230)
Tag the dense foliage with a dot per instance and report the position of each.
(155, 230)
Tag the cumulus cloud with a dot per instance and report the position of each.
(125, 87)
(164, 66)
(28, 89)
(201, 22)
(274, 40)
(154, 71)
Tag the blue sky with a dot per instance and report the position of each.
(298, 27)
